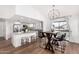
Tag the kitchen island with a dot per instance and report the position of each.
(18, 37)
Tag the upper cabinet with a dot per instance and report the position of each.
(20, 21)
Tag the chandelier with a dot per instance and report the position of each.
(53, 13)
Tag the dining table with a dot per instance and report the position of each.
(49, 46)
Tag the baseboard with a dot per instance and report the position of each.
(73, 42)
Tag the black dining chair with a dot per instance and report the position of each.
(59, 43)
(42, 39)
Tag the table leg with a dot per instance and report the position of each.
(49, 46)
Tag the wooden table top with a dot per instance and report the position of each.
(48, 32)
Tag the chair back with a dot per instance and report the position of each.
(55, 35)
(41, 34)
(62, 37)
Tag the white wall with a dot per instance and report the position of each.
(7, 11)
(68, 9)
(29, 11)
(74, 26)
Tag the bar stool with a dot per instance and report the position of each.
(33, 38)
(24, 40)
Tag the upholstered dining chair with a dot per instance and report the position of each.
(59, 43)
(42, 40)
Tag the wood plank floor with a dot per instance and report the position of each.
(33, 48)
